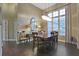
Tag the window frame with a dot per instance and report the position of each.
(65, 26)
(59, 19)
(32, 22)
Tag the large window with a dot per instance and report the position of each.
(55, 21)
(62, 22)
(49, 25)
(62, 12)
(59, 21)
(55, 13)
(55, 24)
(49, 28)
(62, 25)
(33, 24)
(58, 18)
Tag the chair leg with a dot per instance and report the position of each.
(33, 44)
(29, 39)
(38, 45)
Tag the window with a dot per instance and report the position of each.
(55, 13)
(49, 28)
(62, 12)
(50, 14)
(62, 25)
(33, 24)
(55, 21)
(62, 22)
(55, 24)
(59, 21)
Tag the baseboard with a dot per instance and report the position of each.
(10, 40)
(77, 46)
(14, 40)
(73, 43)
(5, 39)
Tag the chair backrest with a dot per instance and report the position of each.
(34, 35)
(54, 34)
(27, 36)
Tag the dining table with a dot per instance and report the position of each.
(44, 40)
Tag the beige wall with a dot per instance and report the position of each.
(78, 26)
(75, 22)
(74, 27)
(29, 11)
(9, 14)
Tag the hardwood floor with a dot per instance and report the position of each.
(12, 49)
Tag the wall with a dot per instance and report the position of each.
(74, 26)
(11, 12)
(78, 26)
(29, 11)
(25, 12)
(9, 15)
(0, 32)
(0, 15)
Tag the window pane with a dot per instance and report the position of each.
(33, 24)
(62, 25)
(49, 28)
(33, 20)
(62, 12)
(50, 14)
(55, 13)
(55, 24)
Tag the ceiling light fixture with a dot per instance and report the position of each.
(46, 18)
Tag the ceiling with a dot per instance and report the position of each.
(43, 6)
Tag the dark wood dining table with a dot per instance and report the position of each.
(41, 40)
